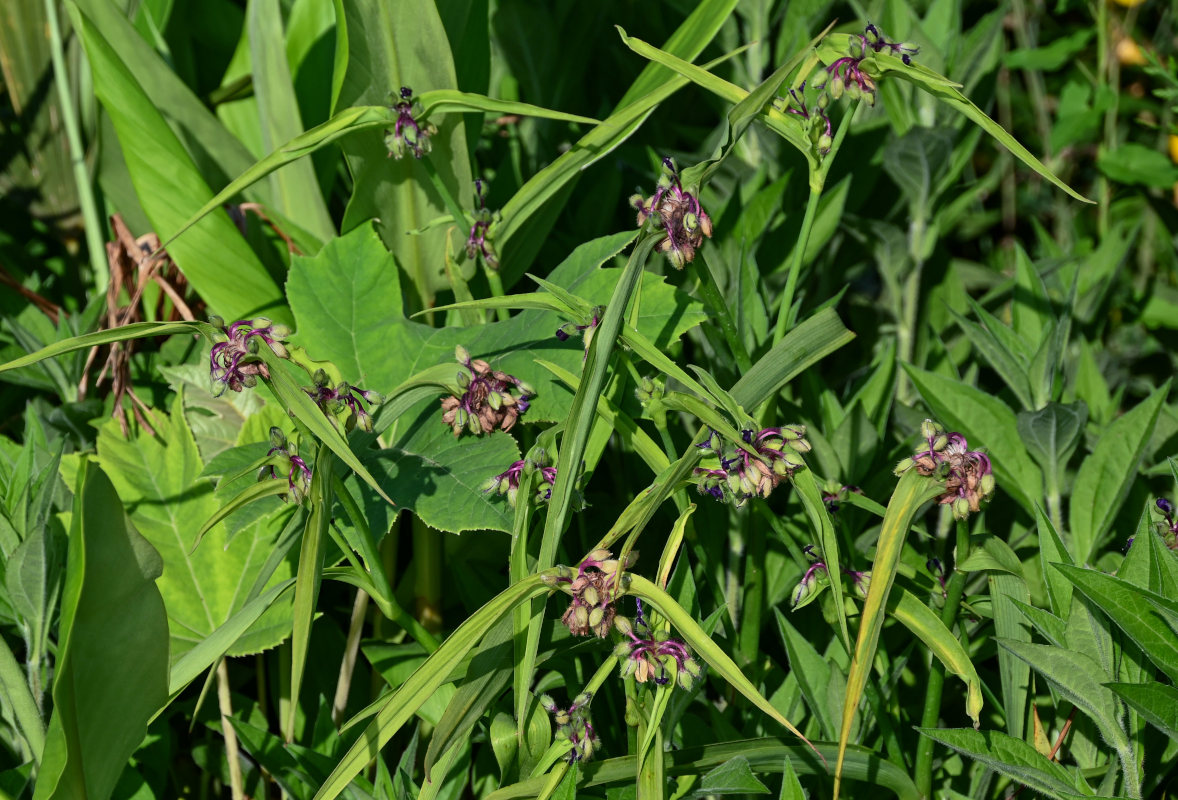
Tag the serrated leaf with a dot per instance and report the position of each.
(1121, 601)
(1012, 757)
(1157, 702)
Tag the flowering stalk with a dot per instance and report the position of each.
(598, 581)
(332, 401)
(968, 476)
(285, 461)
(648, 654)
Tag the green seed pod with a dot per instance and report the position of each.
(590, 596)
(463, 379)
(473, 425)
(461, 354)
(684, 680)
(495, 400)
(690, 222)
(581, 616)
(780, 468)
(940, 443)
(624, 627)
(733, 481)
(930, 429)
(869, 96)
(799, 445)
(961, 508)
(986, 485)
(512, 494)
(793, 459)
(677, 258)
(582, 700)
(600, 554)
(216, 321)
(855, 50)
(853, 91)
(621, 650)
(277, 437)
(823, 101)
(902, 467)
(837, 87)
(250, 381)
(547, 703)
(825, 143)
(595, 617)
(279, 331)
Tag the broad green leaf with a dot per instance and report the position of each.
(111, 674)
(1157, 702)
(1013, 758)
(1106, 475)
(767, 755)
(989, 425)
(708, 650)
(1078, 679)
(1122, 602)
(214, 257)
(158, 478)
(911, 492)
(1049, 626)
(25, 714)
(1007, 364)
(928, 627)
(1139, 164)
(398, 706)
(1052, 433)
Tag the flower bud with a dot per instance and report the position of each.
(495, 400)
(823, 101)
(853, 91)
(250, 381)
(473, 425)
(600, 554)
(624, 627)
(902, 467)
(581, 616)
(547, 703)
(595, 616)
(279, 331)
(825, 143)
(930, 429)
(837, 87)
(855, 50)
(940, 443)
(794, 460)
(525, 388)
(690, 222)
(463, 379)
(590, 596)
(216, 321)
(677, 258)
(461, 355)
(961, 508)
(621, 649)
(277, 437)
(862, 583)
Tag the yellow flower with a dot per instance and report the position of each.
(1174, 148)
(1128, 3)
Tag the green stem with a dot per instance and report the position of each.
(715, 300)
(936, 678)
(749, 632)
(427, 557)
(90, 220)
(24, 707)
(817, 182)
(463, 222)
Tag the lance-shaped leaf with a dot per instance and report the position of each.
(912, 491)
(1013, 758)
(136, 330)
(396, 708)
(1157, 702)
(928, 627)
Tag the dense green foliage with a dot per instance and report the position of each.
(823, 368)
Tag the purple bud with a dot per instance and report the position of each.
(1165, 506)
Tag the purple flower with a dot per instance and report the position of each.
(768, 457)
(234, 363)
(586, 330)
(846, 74)
(594, 587)
(507, 482)
(968, 474)
(676, 212)
(284, 459)
(1169, 528)
(408, 133)
(333, 400)
(648, 654)
(491, 399)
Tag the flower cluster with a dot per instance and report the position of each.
(596, 584)
(817, 578)
(1169, 528)
(487, 400)
(408, 134)
(235, 363)
(968, 476)
(676, 212)
(331, 401)
(284, 459)
(648, 654)
(831, 496)
(573, 725)
(769, 456)
(817, 122)
(478, 242)
(845, 75)
(508, 482)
